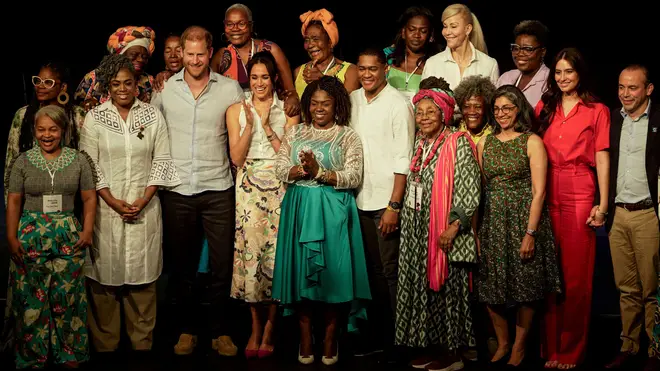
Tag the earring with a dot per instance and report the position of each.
(63, 100)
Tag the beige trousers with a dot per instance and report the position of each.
(634, 243)
(104, 316)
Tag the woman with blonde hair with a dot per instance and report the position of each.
(466, 53)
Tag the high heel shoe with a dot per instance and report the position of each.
(500, 363)
(305, 360)
(264, 353)
(329, 361)
(251, 353)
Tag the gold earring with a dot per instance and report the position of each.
(65, 100)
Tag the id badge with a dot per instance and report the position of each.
(52, 203)
(414, 199)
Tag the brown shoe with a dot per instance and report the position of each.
(186, 344)
(652, 364)
(621, 360)
(225, 346)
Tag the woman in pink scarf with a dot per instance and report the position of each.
(438, 246)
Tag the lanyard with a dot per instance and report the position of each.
(332, 62)
(52, 178)
(413, 72)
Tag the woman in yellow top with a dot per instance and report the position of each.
(473, 96)
(321, 36)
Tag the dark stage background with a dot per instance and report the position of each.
(610, 36)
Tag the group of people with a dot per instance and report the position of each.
(399, 195)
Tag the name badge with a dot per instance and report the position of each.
(52, 203)
(414, 197)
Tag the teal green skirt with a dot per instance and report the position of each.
(320, 254)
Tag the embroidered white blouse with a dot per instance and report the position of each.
(129, 156)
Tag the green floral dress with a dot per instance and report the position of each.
(48, 303)
(503, 277)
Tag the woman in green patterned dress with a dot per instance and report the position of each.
(47, 246)
(320, 257)
(438, 245)
(518, 265)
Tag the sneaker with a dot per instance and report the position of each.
(225, 346)
(186, 345)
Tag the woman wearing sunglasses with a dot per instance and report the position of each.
(50, 87)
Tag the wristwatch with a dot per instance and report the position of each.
(531, 232)
(394, 205)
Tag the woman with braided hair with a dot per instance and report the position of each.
(129, 142)
(320, 256)
(438, 246)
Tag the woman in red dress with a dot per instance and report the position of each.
(575, 130)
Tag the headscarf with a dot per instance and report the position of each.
(443, 99)
(328, 23)
(128, 36)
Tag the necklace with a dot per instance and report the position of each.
(249, 56)
(415, 167)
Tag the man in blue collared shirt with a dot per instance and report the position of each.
(194, 102)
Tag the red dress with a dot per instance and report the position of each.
(572, 142)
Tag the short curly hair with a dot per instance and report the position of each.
(474, 86)
(109, 68)
(533, 28)
(336, 90)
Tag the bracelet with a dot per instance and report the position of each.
(320, 174)
(301, 171)
(272, 137)
(390, 208)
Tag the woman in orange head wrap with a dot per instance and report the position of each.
(320, 37)
(137, 43)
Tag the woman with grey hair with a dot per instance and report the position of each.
(518, 266)
(473, 97)
(47, 246)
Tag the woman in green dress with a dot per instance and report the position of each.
(438, 246)
(518, 265)
(47, 246)
(320, 257)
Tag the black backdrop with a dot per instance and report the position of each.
(610, 36)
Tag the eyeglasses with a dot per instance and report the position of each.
(504, 109)
(47, 83)
(515, 49)
(241, 25)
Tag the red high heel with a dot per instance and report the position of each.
(251, 354)
(264, 353)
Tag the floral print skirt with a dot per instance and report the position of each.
(48, 302)
(258, 198)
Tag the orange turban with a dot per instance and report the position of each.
(128, 36)
(325, 17)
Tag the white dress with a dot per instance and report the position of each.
(130, 156)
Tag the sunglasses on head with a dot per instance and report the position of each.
(47, 83)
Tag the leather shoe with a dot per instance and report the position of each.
(621, 360)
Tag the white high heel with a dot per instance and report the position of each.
(305, 360)
(329, 361)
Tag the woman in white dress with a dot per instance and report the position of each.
(466, 53)
(128, 141)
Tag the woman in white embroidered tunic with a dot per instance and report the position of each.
(128, 141)
(256, 127)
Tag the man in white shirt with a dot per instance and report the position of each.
(383, 118)
(194, 102)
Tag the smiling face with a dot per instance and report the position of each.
(566, 77)
(474, 113)
(371, 73)
(122, 88)
(48, 85)
(139, 56)
(261, 82)
(528, 61)
(505, 113)
(47, 133)
(322, 108)
(317, 43)
(238, 27)
(428, 117)
(456, 30)
(196, 57)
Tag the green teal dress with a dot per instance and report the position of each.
(320, 256)
(406, 83)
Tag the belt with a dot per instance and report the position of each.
(641, 205)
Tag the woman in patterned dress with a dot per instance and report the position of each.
(47, 246)
(438, 245)
(129, 142)
(136, 43)
(320, 256)
(518, 265)
(255, 127)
